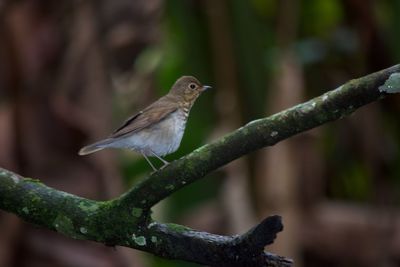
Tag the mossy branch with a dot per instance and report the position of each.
(126, 220)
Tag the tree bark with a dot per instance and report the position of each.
(126, 220)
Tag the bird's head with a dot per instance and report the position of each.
(188, 88)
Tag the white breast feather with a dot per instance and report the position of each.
(162, 138)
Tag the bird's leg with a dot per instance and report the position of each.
(160, 158)
(154, 168)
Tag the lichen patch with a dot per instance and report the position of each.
(64, 225)
(392, 84)
(139, 240)
(15, 178)
(170, 187)
(137, 212)
(25, 210)
(151, 225)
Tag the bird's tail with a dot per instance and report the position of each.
(95, 147)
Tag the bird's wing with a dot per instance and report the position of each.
(152, 114)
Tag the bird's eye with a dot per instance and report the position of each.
(192, 86)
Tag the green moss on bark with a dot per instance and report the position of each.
(126, 220)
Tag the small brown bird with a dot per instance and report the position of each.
(158, 129)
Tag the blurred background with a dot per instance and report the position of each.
(72, 70)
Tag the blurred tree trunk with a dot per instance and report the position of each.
(278, 168)
(235, 190)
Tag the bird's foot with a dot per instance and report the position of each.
(166, 163)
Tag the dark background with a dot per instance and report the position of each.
(72, 70)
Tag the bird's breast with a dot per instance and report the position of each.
(176, 125)
(163, 137)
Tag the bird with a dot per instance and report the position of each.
(157, 130)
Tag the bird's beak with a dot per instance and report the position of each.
(205, 87)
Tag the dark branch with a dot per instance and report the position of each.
(264, 132)
(215, 250)
(126, 220)
(112, 223)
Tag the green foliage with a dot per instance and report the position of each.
(251, 37)
(321, 18)
(354, 182)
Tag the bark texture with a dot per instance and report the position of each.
(126, 220)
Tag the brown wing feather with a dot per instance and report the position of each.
(127, 122)
(152, 114)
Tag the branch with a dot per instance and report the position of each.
(126, 221)
(264, 132)
(113, 223)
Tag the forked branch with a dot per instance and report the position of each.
(126, 220)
